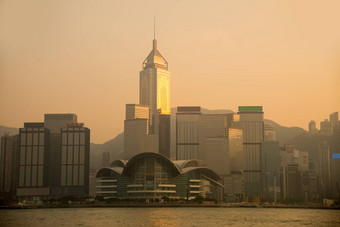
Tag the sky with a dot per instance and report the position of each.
(84, 57)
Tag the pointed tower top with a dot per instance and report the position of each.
(154, 34)
(155, 59)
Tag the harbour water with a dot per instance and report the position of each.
(169, 217)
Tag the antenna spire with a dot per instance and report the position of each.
(154, 27)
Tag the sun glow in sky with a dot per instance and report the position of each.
(84, 57)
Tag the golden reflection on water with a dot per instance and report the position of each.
(162, 217)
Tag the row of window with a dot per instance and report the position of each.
(35, 138)
(72, 175)
(31, 176)
(73, 155)
(32, 155)
(73, 138)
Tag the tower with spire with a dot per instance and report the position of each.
(147, 124)
(155, 85)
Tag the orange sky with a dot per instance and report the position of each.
(84, 57)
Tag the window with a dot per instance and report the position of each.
(34, 175)
(69, 175)
(75, 175)
(82, 138)
(28, 176)
(22, 176)
(40, 175)
(41, 155)
(41, 138)
(81, 175)
(76, 155)
(22, 156)
(35, 138)
(63, 155)
(63, 175)
(82, 155)
(23, 138)
(76, 138)
(35, 155)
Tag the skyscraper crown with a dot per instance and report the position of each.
(155, 59)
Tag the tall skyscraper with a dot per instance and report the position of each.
(324, 170)
(251, 121)
(147, 125)
(155, 85)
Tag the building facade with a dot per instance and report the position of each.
(54, 158)
(154, 176)
(34, 149)
(251, 121)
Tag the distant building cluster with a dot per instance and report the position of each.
(328, 127)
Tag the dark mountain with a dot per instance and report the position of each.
(285, 134)
(114, 146)
(310, 143)
(8, 130)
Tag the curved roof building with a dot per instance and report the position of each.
(152, 176)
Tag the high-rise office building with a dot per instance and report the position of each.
(251, 121)
(294, 165)
(147, 125)
(335, 175)
(187, 137)
(54, 157)
(270, 155)
(155, 85)
(324, 171)
(8, 165)
(34, 160)
(215, 140)
(75, 152)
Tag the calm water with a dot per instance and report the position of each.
(169, 217)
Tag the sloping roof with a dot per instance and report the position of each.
(118, 170)
(118, 163)
(134, 159)
(155, 59)
(210, 173)
(189, 163)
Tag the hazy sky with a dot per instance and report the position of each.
(84, 57)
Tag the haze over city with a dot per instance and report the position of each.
(67, 57)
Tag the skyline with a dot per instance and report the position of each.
(72, 60)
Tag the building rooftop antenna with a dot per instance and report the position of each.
(154, 27)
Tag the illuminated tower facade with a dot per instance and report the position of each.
(155, 86)
(147, 125)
